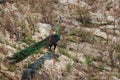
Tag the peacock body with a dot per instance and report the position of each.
(47, 42)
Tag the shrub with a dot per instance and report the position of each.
(55, 1)
(65, 52)
(89, 60)
(117, 47)
(86, 36)
(84, 17)
(68, 66)
(72, 39)
(11, 68)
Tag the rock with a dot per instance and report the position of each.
(36, 16)
(110, 18)
(96, 31)
(84, 4)
(3, 67)
(10, 7)
(19, 15)
(2, 39)
(111, 29)
(117, 32)
(68, 1)
(61, 66)
(5, 38)
(10, 49)
(58, 66)
(76, 2)
(35, 37)
(48, 64)
(87, 49)
(72, 46)
(97, 17)
(115, 78)
(13, 7)
(81, 59)
(63, 58)
(114, 39)
(44, 29)
(2, 57)
(107, 68)
(99, 33)
(6, 49)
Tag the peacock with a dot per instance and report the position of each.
(47, 42)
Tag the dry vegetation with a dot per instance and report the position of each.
(18, 18)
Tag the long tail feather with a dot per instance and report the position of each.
(19, 56)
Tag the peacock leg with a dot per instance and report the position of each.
(55, 46)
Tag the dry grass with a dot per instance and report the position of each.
(20, 22)
(84, 17)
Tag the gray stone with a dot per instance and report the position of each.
(44, 29)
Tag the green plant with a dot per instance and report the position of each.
(117, 47)
(73, 32)
(86, 36)
(2, 77)
(72, 38)
(29, 40)
(68, 66)
(64, 52)
(55, 1)
(84, 17)
(28, 64)
(101, 67)
(11, 68)
(89, 60)
(118, 56)
(14, 46)
(63, 44)
(94, 78)
(116, 73)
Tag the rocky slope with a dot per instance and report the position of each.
(89, 48)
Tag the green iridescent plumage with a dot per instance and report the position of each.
(21, 55)
(47, 42)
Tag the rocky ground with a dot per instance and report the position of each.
(89, 48)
